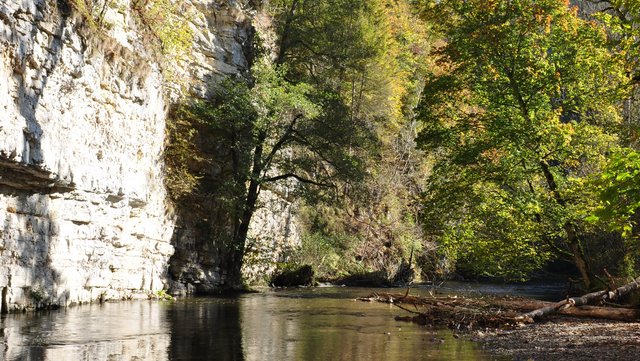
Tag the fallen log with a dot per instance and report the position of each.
(618, 313)
(607, 313)
(463, 313)
(590, 298)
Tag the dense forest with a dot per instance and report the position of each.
(479, 138)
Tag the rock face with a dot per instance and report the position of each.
(82, 202)
(84, 214)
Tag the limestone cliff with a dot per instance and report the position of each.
(84, 214)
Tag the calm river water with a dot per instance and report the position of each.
(305, 324)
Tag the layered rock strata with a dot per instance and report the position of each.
(84, 214)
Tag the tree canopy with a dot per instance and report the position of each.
(522, 111)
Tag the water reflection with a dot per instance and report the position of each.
(205, 329)
(119, 331)
(293, 326)
(285, 325)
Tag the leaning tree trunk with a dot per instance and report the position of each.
(573, 240)
(240, 237)
(590, 298)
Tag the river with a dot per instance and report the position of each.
(296, 324)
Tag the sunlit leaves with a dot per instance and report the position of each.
(524, 110)
(619, 191)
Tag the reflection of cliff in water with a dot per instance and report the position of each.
(314, 324)
(114, 331)
(205, 329)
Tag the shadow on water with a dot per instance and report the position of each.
(205, 329)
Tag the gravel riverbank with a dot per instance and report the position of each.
(564, 338)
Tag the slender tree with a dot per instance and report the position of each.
(276, 133)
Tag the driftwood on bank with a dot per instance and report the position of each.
(504, 312)
(455, 312)
(618, 313)
(590, 298)
(607, 313)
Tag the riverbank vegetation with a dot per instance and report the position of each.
(489, 138)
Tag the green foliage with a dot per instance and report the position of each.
(622, 20)
(333, 255)
(371, 56)
(164, 296)
(284, 121)
(618, 188)
(522, 110)
(181, 153)
(329, 32)
(242, 118)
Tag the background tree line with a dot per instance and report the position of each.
(491, 136)
(528, 118)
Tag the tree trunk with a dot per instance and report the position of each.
(573, 241)
(606, 313)
(578, 255)
(590, 298)
(242, 229)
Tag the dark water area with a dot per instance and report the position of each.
(304, 324)
(555, 291)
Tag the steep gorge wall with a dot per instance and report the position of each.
(82, 203)
(84, 214)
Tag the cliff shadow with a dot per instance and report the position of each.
(33, 65)
(29, 279)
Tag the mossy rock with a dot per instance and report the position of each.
(293, 277)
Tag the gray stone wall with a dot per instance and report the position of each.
(84, 215)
